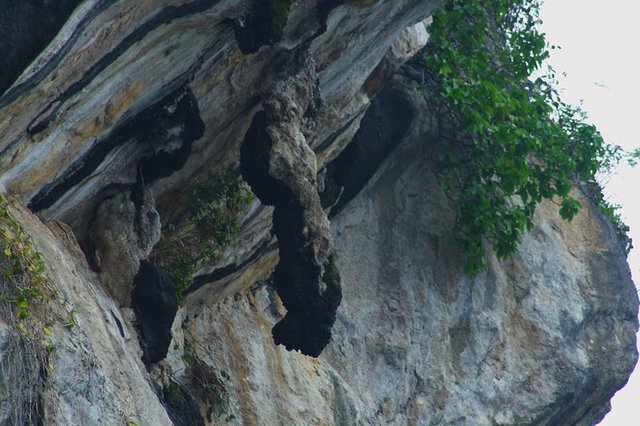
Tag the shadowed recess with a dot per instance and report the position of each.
(176, 116)
(26, 27)
(155, 303)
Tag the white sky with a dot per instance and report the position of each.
(601, 55)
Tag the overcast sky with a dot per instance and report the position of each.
(600, 53)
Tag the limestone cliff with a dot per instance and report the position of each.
(340, 298)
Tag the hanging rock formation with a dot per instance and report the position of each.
(342, 298)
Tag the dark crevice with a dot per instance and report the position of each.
(263, 25)
(155, 304)
(381, 129)
(324, 8)
(309, 291)
(181, 406)
(26, 27)
(186, 114)
(152, 127)
(118, 324)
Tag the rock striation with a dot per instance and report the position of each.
(342, 299)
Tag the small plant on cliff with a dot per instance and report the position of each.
(23, 267)
(514, 141)
(210, 224)
(26, 294)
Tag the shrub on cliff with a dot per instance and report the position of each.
(514, 141)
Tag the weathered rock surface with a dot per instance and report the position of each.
(545, 337)
(281, 168)
(135, 100)
(125, 229)
(97, 377)
(522, 343)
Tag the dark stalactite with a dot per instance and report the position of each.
(310, 291)
(155, 304)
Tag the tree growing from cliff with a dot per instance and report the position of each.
(515, 142)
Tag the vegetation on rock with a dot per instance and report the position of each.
(514, 141)
(26, 293)
(263, 25)
(22, 266)
(210, 225)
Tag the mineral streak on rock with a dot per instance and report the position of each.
(281, 169)
(166, 129)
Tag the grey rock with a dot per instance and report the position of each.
(545, 337)
(94, 372)
(122, 234)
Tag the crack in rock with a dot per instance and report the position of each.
(281, 169)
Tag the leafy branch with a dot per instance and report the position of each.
(516, 142)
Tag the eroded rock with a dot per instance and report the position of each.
(119, 100)
(281, 169)
(123, 233)
(95, 374)
(417, 341)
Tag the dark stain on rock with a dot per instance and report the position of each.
(310, 291)
(174, 121)
(382, 128)
(155, 304)
(263, 25)
(26, 27)
(181, 406)
(225, 271)
(162, 17)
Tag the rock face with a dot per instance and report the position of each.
(416, 341)
(522, 343)
(346, 254)
(97, 376)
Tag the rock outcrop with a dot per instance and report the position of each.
(346, 253)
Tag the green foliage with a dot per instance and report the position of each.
(514, 141)
(22, 266)
(633, 157)
(26, 294)
(279, 16)
(210, 225)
